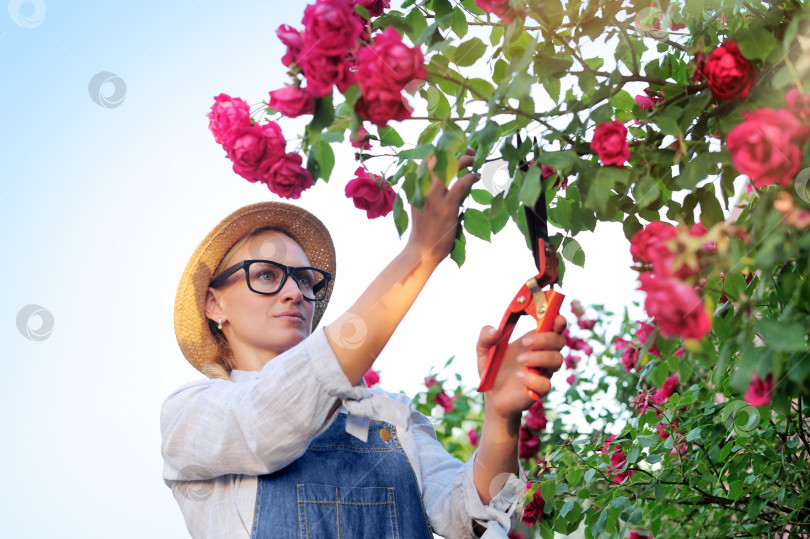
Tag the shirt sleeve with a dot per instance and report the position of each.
(449, 494)
(214, 427)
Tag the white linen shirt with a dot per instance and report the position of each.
(219, 436)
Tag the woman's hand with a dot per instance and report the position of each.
(434, 227)
(508, 398)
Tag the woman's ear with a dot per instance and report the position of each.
(213, 309)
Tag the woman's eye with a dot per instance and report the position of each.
(267, 276)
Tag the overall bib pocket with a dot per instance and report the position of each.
(332, 512)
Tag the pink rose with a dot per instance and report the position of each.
(798, 104)
(227, 114)
(766, 146)
(445, 401)
(643, 333)
(389, 63)
(375, 8)
(321, 71)
(291, 101)
(547, 172)
(515, 535)
(644, 102)
(586, 324)
(571, 380)
(331, 27)
(380, 106)
(287, 178)
(665, 392)
(501, 8)
(294, 41)
(610, 143)
(677, 309)
(636, 535)
(577, 309)
(648, 244)
(536, 419)
(254, 149)
(629, 358)
(571, 362)
(642, 402)
(362, 141)
(430, 382)
(729, 74)
(528, 443)
(472, 435)
(759, 390)
(575, 343)
(679, 352)
(371, 378)
(533, 511)
(371, 193)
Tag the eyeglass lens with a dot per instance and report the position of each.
(268, 278)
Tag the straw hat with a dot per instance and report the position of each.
(190, 323)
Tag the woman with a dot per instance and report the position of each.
(283, 439)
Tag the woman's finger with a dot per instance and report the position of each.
(536, 382)
(546, 359)
(460, 189)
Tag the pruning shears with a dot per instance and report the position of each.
(531, 299)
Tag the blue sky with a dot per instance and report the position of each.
(101, 208)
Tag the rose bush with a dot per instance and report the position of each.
(688, 416)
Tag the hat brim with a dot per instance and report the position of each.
(190, 323)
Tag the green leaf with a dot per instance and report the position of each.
(547, 490)
(458, 254)
(469, 52)
(416, 20)
(562, 161)
(648, 440)
(620, 502)
(400, 216)
(623, 100)
(781, 336)
(694, 434)
(572, 251)
(756, 43)
(323, 115)
(532, 187)
(697, 169)
(459, 22)
(481, 196)
(477, 223)
(321, 160)
(420, 152)
(389, 137)
(545, 67)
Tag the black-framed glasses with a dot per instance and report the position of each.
(268, 277)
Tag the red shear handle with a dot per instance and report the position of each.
(522, 304)
(546, 323)
(517, 307)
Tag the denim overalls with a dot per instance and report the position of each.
(342, 487)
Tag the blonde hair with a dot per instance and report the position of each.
(223, 362)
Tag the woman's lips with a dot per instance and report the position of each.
(290, 315)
